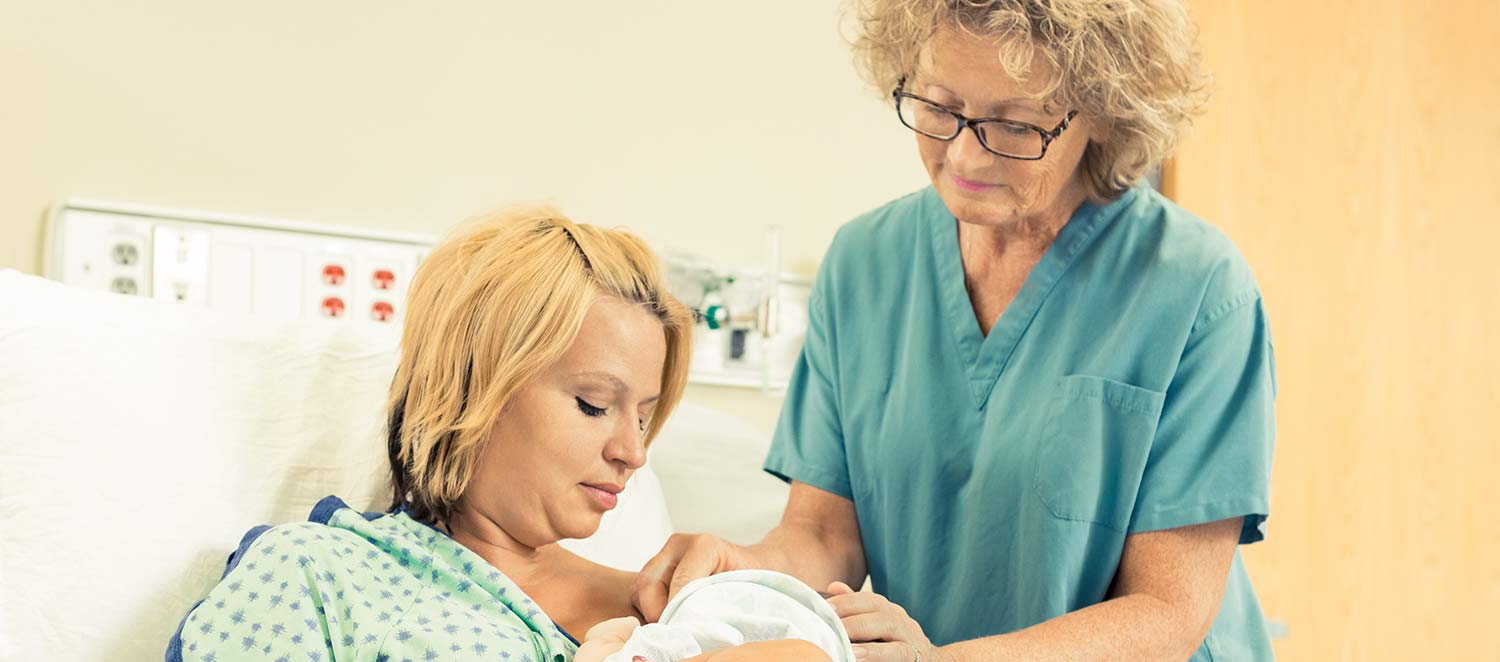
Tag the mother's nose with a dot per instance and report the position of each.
(627, 446)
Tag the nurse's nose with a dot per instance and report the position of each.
(968, 153)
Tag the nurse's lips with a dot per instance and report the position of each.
(607, 495)
(971, 185)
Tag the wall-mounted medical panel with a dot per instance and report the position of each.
(748, 331)
(281, 270)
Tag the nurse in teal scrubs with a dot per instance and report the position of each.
(1035, 403)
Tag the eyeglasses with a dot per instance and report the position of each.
(1007, 138)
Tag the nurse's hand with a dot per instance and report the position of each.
(880, 629)
(684, 558)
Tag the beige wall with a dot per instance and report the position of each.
(1353, 152)
(694, 123)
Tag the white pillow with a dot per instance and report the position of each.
(709, 459)
(140, 439)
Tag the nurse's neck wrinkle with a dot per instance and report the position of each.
(996, 255)
(523, 565)
(1008, 247)
(984, 247)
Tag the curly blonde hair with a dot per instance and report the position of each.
(1132, 65)
(492, 307)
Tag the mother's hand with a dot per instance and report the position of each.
(684, 558)
(880, 630)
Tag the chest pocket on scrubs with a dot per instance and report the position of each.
(1093, 453)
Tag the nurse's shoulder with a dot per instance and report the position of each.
(877, 246)
(1184, 251)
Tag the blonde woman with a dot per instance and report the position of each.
(539, 359)
(1035, 402)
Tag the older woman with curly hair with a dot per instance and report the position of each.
(1035, 404)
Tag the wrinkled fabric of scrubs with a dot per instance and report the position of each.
(1128, 388)
(352, 586)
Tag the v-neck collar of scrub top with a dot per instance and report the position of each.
(987, 356)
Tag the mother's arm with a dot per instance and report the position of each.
(1165, 597)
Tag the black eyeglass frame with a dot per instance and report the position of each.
(973, 124)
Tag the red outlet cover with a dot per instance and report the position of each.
(382, 311)
(333, 307)
(333, 274)
(384, 279)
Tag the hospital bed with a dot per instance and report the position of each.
(140, 439)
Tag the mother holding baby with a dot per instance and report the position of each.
(1035, 403)
(539, 358)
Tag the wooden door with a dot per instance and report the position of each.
(1352, 150)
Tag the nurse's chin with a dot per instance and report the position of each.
(984, 215)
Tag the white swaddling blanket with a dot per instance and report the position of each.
(735, 608)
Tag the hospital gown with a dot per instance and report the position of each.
(352, 586)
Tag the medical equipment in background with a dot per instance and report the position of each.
(748, 334)
(748, 327)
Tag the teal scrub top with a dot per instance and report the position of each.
(1129, 387)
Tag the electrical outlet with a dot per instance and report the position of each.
(331, 285)
(179, 264)
(125, 253)
(382, 311)
(333, 307)
(383, 278)
(278, 270)
(124, 285)
(379, 285)
(102, 253)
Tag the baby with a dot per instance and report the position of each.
(712, 616)
(606, 639)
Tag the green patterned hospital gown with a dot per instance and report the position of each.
(352, 586)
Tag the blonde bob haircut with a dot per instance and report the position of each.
(1131, 65)
(491, 308)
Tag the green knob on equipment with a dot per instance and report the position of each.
(716, 316)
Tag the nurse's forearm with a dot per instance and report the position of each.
(817, 540)
(1169, 585)
(1131, 627)
(811, 554)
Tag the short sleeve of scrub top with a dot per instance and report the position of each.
(809, 437)
(1201, 467)
(1127, 388)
